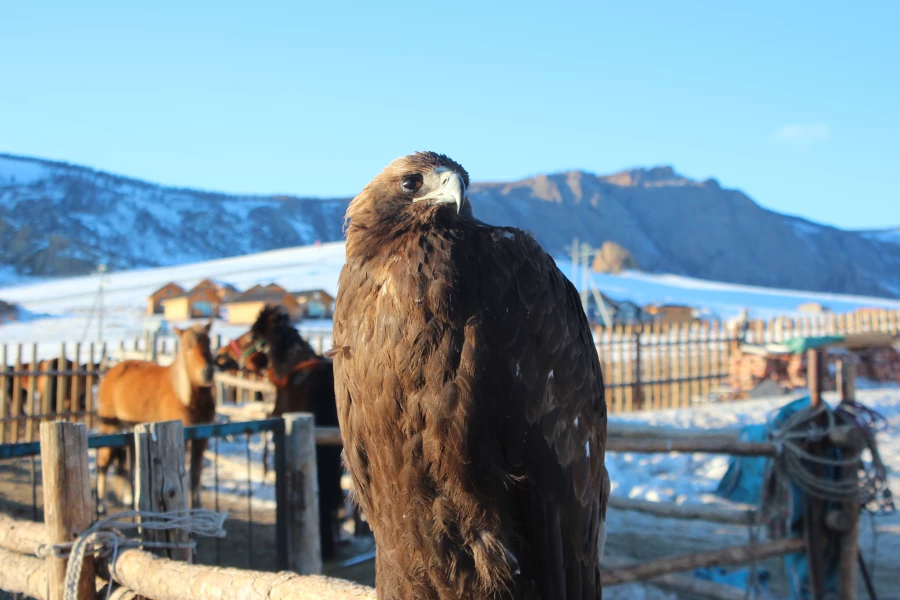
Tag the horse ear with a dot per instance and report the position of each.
(209, 325)
(178, 331)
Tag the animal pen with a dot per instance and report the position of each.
(657, 366)
(35, 555)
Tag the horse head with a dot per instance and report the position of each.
(284, 346)
(242, 353)
(195, 351)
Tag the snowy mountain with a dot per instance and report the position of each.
(61, 219)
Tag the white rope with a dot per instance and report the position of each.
(104, 537)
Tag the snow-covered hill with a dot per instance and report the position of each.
(61, 219)
(62, 308)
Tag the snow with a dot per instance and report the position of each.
(674, 477)
(22, 171)
(805, 230)
(887, 236)
(67, 303)
(724, 299)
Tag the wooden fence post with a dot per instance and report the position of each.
(637, 402)
(15, 409)
(160, 480)
(814, 508)
(67, 500)
(847, 569)
(304, 544)
(4, 399)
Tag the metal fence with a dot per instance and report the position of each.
(257, 534)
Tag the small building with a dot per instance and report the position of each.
(224, 290)
(200, 303)
(609, 312)
(669, 313)
(629, 313)
(245, 308)
(204, 300)
(315, 304)
(154, 301)
(813, 308)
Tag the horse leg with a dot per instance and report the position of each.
(104, 457)
(198, 447)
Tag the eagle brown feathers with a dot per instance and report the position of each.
(470, 398)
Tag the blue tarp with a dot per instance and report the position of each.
(744, 481)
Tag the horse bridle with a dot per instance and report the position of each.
(258, 346)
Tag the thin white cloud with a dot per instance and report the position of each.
(801, 135)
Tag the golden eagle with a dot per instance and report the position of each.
(470, 398)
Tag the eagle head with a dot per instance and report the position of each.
(422, 189)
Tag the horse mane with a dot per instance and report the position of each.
(287, 347)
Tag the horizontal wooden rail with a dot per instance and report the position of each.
(684, 584)
(23, 574)
(164, 579)
(50, 373)
(253, 385)
(24, 537)
(733, 555)
(330, 436)
(699, 512)
(643, 431)
(614, 444)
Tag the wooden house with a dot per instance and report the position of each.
(609, 312)
(669, 313)
(315, 304)
(154, 301)
(193, 304)
(814, 308)
(244, 308)
(224, 290)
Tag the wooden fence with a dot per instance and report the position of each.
(161, 578)
(645, 367)
(35, 558)
(660, 365)
(33, 389)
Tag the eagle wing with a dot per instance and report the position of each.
(551, 412)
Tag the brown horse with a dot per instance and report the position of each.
(136, 391)
(304, 382)
(241, 355)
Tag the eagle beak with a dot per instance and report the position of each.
(451, 191)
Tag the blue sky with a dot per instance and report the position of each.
(794, 103)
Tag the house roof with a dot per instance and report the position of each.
(656, 306)
(259, 296)
(310, 292)
(168, 285)
(188, 294)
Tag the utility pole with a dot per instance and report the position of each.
(585, 253)
(101, 269)
(576, 262)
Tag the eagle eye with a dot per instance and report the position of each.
(411, 183)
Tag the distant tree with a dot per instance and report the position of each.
(613, 258)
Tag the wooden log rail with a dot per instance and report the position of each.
(717, 444)
(683, 584)
(164, 579)
(687, 512)
(23, 574)
(734, 555)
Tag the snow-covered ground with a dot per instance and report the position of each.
(65, 309)
(667, 478)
